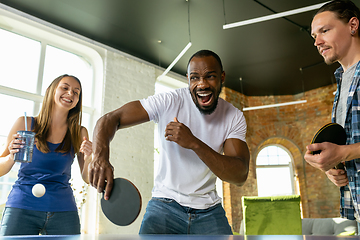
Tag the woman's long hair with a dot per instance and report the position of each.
(42, 121)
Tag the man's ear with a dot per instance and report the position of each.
(354, 24)
(223, 77)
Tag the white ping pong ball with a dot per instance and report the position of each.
(38, 190)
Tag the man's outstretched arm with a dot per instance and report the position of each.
(100, 168)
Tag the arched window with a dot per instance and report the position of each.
(274, 172)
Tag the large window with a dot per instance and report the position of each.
(274, 172)
(30, 59)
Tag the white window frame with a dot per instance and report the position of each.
(46, 36)
(290, 165)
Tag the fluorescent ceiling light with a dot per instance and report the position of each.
(177, 59)
(273, 105)
(273, 16)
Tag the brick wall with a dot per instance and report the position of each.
(292, 127)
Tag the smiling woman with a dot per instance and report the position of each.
(59, 138)
(20, 87)
(30, 59)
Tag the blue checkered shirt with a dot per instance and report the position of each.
(350, 194)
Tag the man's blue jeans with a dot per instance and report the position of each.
(166, 216)
(16, 221)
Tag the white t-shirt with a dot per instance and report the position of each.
(182, 175)
(345, 84)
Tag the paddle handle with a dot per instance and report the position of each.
(340, 166)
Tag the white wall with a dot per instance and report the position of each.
(132, 149)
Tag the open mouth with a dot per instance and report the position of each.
(67, 100)
(204, 98)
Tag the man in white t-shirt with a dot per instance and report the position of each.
(203, 137)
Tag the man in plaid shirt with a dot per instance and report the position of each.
(335, 29)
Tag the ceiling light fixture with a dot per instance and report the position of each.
(177, 59)
(185, 48)
(273, 16)
(273, 105)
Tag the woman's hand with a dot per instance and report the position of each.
(15, 145)
(86, 148)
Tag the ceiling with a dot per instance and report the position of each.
(267, 56)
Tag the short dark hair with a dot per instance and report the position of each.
(206, 53)
(344, 10)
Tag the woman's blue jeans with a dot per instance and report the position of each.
(166, 216)
(16, 221)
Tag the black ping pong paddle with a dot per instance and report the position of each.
(333, 133)
(124, 204)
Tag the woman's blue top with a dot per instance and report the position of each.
(53, 170)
